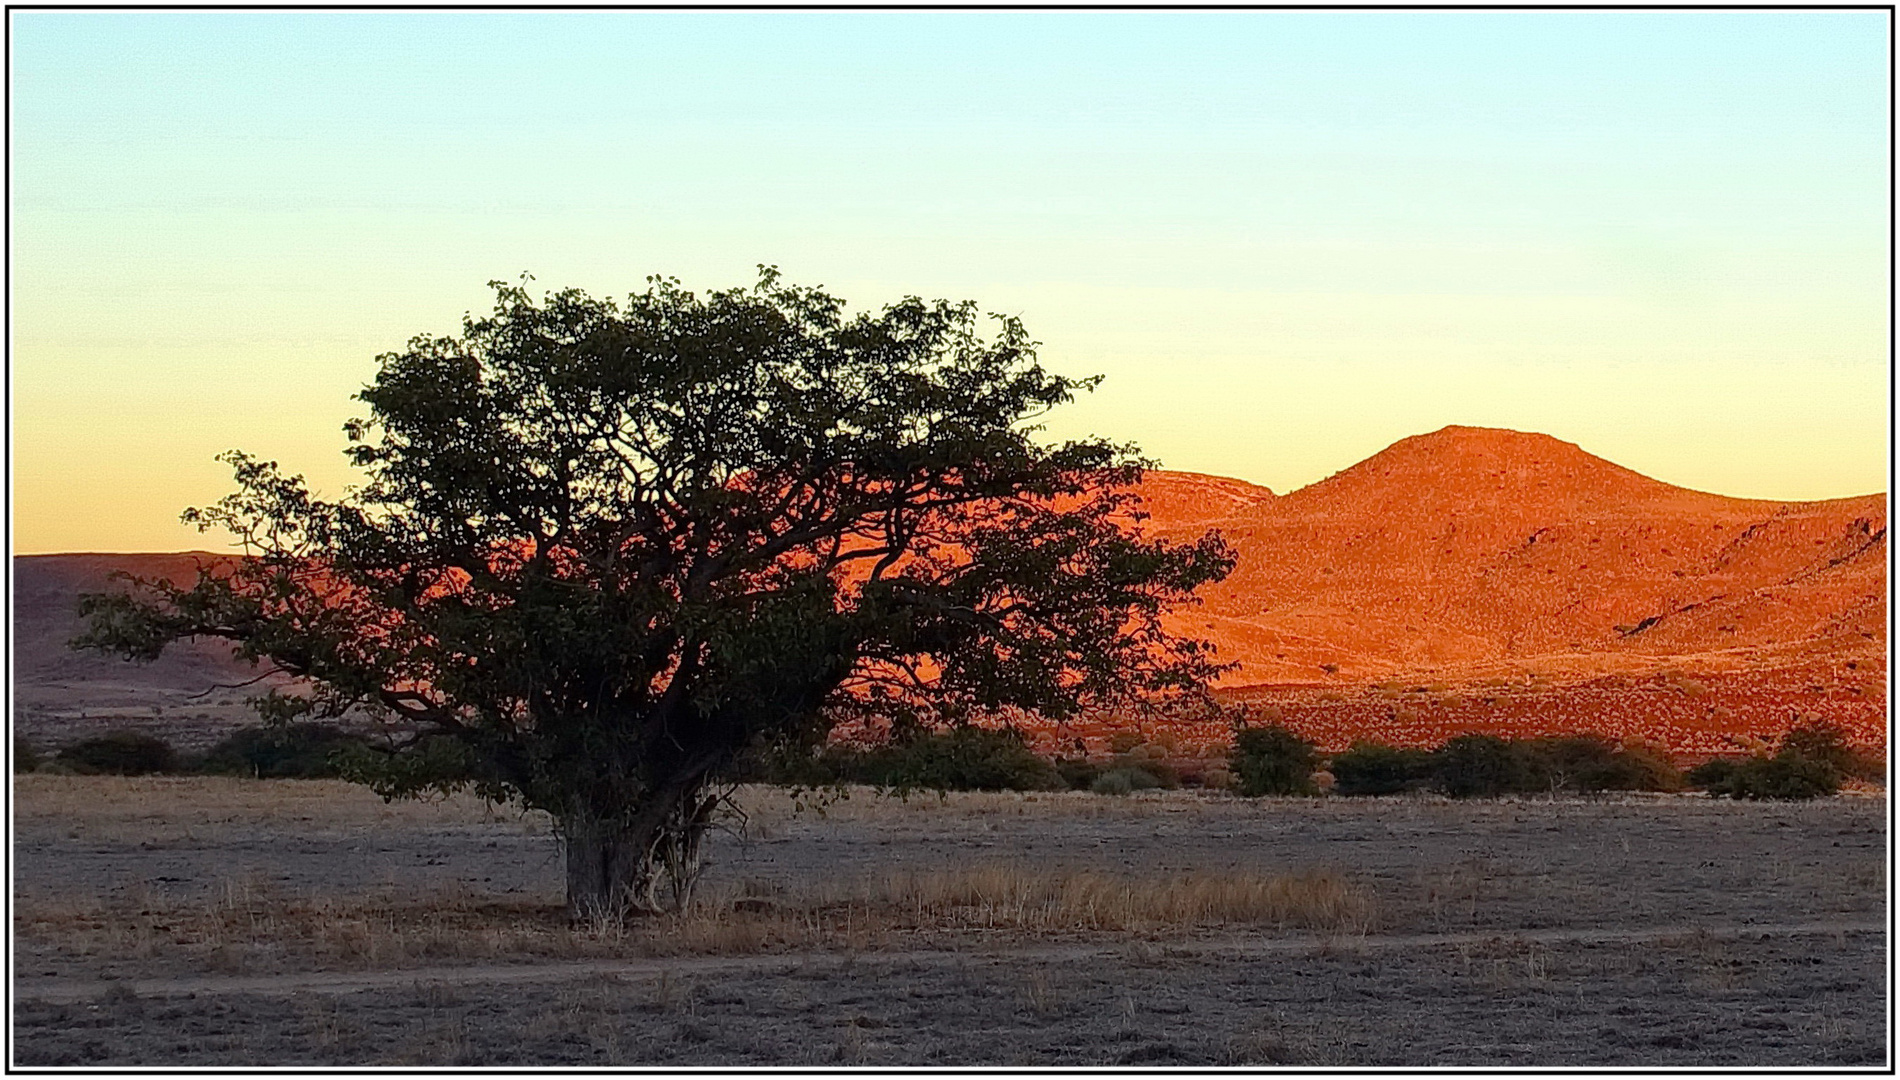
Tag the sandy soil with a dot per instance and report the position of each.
(1635, 931)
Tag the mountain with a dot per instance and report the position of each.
(1466, 579)
(1476, 579)
(60, 694)
(1471, 548)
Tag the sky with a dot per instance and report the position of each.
(1286, 239)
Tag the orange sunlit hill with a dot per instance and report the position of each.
(1470, 579)
(1477, 579)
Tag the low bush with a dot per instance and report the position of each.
(1273, 761)
(1784, 776)
(1809, 763)
(1651, 768)
(1125, 779)
(1077, 772)
(25, 757)
(1711, 772)
(1371, 768)
(964, 759)
(798, 765)
(1586, 763)
(959, 759)
(1481, 766)
(120, 753)
(305, 751)
(1163, 774)
(1822, 741)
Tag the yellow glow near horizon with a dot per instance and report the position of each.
(1289, 239)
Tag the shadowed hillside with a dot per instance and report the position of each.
(60, 694)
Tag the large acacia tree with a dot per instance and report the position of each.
(601, 550)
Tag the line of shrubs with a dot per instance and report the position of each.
(969, 759)
(298, 751)
(1811, 760)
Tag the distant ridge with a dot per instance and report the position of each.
(1474, 547)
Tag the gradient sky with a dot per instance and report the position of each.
(1288, 239)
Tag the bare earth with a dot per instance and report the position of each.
(220, 922)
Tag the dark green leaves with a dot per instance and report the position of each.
(601, 547)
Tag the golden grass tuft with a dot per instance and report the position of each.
(1005, 896)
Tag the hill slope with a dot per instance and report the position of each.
(1472, 548)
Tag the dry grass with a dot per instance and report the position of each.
(1014, 898)
(161, 809)
(248, 925)
(245, 926)
(196, 809)
(774, 809)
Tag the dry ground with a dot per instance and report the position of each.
(213, 921)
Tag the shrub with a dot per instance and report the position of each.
(1273, 761)
(1594, 763)
(1869, 766)
(1077, 772)
(1819, 740)
(968, 759)
(1713, 773)
(25, 757)
(1121, 781)
(960, 759)
(1142, 760)
(1370, 768)
(1570, 763)
(1476, 766)
(300, 751)
(120, 753)
(799, 764)
(1785, 776)
(1651, 767)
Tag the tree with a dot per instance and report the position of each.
(1370, 768)
(1819, 740)
(1787, 775)
(1811, 761)
(601, 550)
(1273, 761)
(1470, 766)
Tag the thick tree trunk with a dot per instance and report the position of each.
(646, 866)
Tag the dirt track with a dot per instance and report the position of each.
(1657, 931)
(77, 990)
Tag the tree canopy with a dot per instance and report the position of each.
(601, 549)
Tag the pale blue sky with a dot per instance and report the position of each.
(1288, 238)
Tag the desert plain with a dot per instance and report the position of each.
(215, 921)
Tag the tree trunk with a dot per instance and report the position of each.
(644, 866)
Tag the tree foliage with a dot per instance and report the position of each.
(303, 751)
(120, 753)
(1810, 761)
(1373, 768)
(600, 549)
(1273, 761)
